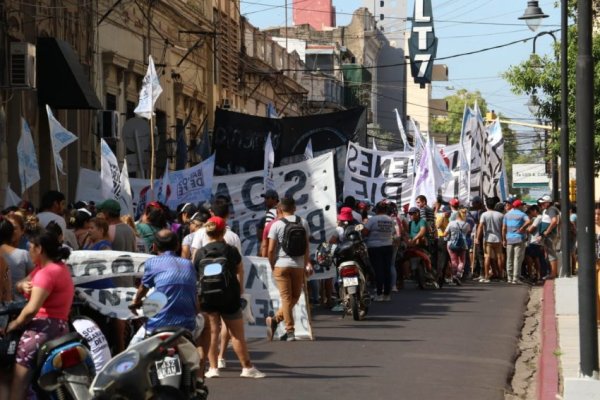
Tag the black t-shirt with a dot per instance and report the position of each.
(231, 302)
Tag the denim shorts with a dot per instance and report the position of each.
(38, 332)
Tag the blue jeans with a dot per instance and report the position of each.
(381, 259)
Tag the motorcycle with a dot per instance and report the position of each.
(164, 364)
(351, 259)
(424, 276)
(64, 365)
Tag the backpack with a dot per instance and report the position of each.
(213, 289)
(294, 238)
(459, 241)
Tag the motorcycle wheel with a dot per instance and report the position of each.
(166, 393)
(354, 306)
(420, 276)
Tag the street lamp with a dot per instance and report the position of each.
(533, 15)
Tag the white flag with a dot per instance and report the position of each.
(419, 145)
(163, 189)
(11, 198)
(126, 198)
(268, 180)
(407, 146)
(60, 137)
(151, 89)
(308, 152)
(426, 179)
(29, 172)
(110, 175)
(440, 163)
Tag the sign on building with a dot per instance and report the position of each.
(530, 176)
(422, 45)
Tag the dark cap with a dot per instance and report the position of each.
(414, 210)
(188, 208)
(271, 194)
(476, 200)
(109, 205)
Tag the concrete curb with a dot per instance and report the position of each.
(547, 378)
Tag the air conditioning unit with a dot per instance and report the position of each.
(108, 124)
(22, 65)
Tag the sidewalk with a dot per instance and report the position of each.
(567, 349)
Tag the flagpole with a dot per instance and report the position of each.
(56, 174)
(152, 153)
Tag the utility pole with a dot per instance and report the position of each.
(286, 27)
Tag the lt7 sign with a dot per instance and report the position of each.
(422, 45)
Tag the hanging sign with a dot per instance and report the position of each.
(422, 45)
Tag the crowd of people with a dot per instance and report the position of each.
(485, 241)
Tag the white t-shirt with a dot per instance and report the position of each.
(381, 231)
(45, 217)
(95, 340)
(201, 239)
(276, 233)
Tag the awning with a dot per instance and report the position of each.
(61, 81)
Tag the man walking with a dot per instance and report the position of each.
(514, 233)
(549, 231)
(271, 200)
(288, 255)
(121, 235)
(489, 235)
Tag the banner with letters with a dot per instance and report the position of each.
(260, 289)
(311, 183)
(377, 175)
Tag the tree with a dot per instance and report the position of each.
(539, 77)
(452, 124)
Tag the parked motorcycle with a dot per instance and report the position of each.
(65, 367)
(164, 365)
(351, 259)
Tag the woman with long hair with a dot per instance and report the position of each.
(228, 306)
(49, 288)
(457, 232)
(80, 221)
(17, 261)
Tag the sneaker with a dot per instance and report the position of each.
(457, 281)
(379, 297)
(221, 363)
(271, 327)
(387, 297)
(288, 337)
(483, 280)
(252, 373)
(212, 373)
(394, 288)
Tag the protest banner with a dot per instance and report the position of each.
(378, 175)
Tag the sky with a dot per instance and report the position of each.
(461, 26)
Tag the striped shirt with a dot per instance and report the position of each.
(514, 220)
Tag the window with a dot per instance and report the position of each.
(110, 102)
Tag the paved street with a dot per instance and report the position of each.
(457, 343)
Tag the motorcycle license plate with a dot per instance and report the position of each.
(168, 366)
(351, 281)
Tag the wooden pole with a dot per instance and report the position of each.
(152, 155)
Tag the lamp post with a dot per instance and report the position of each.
(533, 16)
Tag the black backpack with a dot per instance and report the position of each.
(294, 238)
(213, 289)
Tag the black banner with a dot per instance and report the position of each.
(239, 139)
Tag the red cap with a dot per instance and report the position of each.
(454, 202)
(517, 203)
(219, 223)
(345, 214)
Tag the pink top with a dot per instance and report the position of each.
(265, 235)
(55, 278)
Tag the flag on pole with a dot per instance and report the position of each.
(308, 152)
(428, 178)
(11, 198)
(126, 198)
(60, 138)
(110, 174)
(29, 171)
(419, 145)
(407, 146)
(440, 163)
(163, 190)
(268, 181)
(151, 89)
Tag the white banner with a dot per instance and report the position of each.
(110, 174)
(29, 171)
(458, 187)
(378, 175)
(311, 183)
(259, 288)
(192, 185)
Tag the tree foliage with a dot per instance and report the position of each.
(540, 77)
(452, 124)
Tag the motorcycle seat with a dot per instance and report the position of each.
(171, 329)
(51, 345)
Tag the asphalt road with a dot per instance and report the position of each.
(454, 343)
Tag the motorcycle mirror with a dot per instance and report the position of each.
(154, 303)
(213, 269)
(359, 227)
